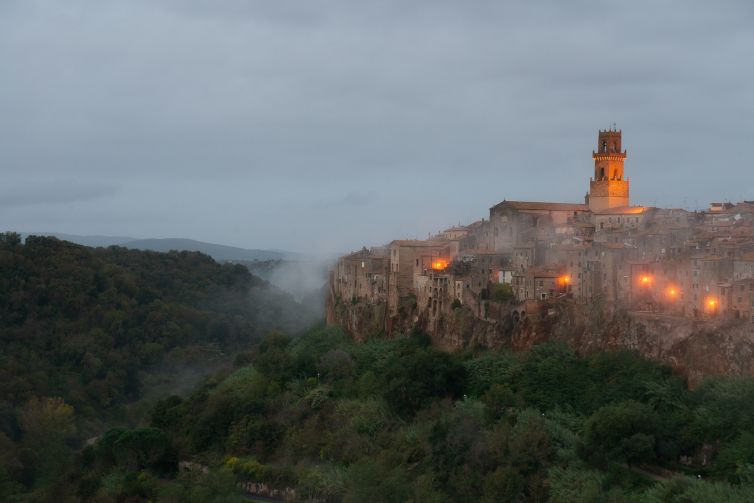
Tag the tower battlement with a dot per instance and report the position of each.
(608, 188)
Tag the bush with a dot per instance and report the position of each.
(502, 292)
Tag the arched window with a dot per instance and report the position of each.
(604, 146)
(602, 173)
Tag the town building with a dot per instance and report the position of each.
(604, 251)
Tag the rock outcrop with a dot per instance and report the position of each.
(693, 348)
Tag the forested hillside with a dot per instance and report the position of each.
(400, 421)
(85, 333)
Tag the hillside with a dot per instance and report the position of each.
(332, 420)
(87, 333)
(216, 251)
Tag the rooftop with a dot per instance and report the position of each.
(418, 243)
(537, 205)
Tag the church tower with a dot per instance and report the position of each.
(608, 188)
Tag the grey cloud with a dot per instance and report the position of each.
(251, 122)
(51, 193)
(349, 200)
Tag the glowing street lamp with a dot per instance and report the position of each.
(439, 264)
(672, 292)
(563, 282)
(645, 280)
(712, 304)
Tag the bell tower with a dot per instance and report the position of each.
(608, 188)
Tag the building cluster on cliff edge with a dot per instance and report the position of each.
(637, 258)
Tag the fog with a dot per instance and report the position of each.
(323, 126)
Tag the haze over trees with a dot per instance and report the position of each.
(86, 333)
(92, 343)
(398, 420)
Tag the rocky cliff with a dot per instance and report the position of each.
(694, 348)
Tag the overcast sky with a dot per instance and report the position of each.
(324, 125)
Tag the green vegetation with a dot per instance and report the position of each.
(502, 292)
(398, 420)
(85, 331)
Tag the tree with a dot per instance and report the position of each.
(47, 425)
(621, 432)
(502, 292)
(504, 484)
(418, 375)
(136, 449)
(573, 485)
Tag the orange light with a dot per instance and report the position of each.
(672, 292)
(712, 304)
(564, 280)
(645, 280)
(439, 264)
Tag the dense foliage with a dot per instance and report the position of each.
(400, 421)
(84, 332)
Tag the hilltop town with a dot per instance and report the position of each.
(529, 259)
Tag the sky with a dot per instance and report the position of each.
(325, 125)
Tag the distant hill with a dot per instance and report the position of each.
(91, 241)
(216, 251)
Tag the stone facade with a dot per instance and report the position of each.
(608, 188)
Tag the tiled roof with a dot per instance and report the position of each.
(418, 242)
(536, 205)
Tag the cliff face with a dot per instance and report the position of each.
(694, 348)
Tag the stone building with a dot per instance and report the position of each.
(680, 263)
